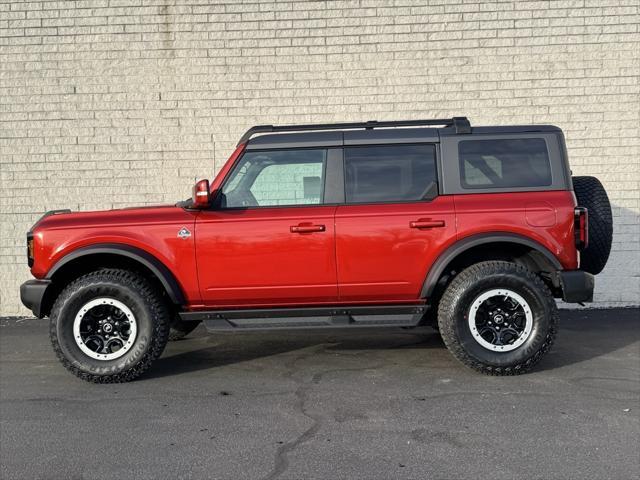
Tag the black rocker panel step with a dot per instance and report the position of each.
(309, 318)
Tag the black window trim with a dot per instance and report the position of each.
(436, 163)
(450, 166)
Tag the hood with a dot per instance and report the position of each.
(122, 216)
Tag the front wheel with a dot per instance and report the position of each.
(498, 318)
(109, 326)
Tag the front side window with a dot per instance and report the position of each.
(276, 177)
(504, 163)
(390, 173)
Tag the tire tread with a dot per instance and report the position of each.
(591, 194)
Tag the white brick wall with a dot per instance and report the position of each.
(108, 103)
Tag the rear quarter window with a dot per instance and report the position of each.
(506, 163)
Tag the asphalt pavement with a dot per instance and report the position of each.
(364, 405)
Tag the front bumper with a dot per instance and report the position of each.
(577, 286)
(31, 295)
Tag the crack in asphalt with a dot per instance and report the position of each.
(281, 463)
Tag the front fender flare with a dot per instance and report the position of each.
(159, 269)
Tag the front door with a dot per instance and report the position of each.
(393, 223)
(270, 239)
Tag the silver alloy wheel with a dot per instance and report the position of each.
(105, 329)
(500, 320)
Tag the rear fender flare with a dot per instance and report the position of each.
(446, 257)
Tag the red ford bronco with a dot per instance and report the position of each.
(473, 231)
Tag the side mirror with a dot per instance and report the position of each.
(201, 196)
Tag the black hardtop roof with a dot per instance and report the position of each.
(407, 131)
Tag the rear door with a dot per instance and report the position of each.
(393, 222)
(270, 240)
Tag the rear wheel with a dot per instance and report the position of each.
(498, 318)
(109, 326)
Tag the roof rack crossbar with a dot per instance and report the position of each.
(461, 125)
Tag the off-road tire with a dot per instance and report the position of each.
(180, 329)
(151, 315)
(472, 282)
(591, 194)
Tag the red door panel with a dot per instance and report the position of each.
(267, 256)
(384, 251)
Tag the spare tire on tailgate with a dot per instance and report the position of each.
(591, 194)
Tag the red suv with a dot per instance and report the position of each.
(473, 231)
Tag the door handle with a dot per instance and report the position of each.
(424, 223)
(307, 228)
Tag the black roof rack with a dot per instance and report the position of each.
(461, 125)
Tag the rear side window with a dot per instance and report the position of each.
(393, 173)
(504, 163)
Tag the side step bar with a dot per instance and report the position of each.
(310, 318)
